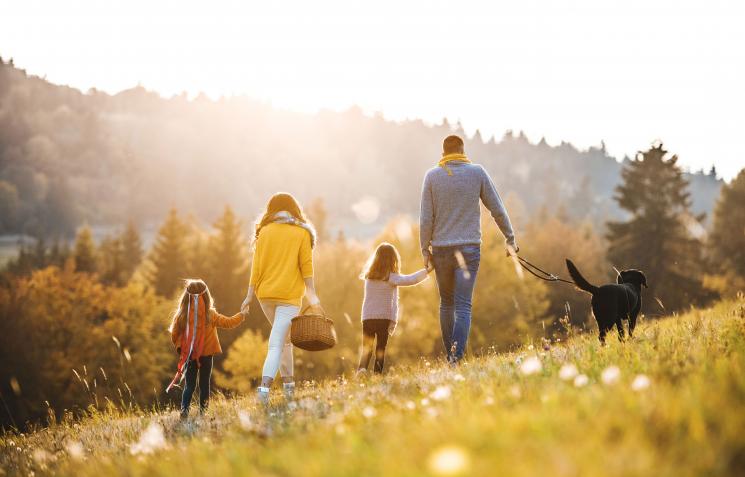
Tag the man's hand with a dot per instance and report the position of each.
(512, 250)
(429, 266)
(427, 260)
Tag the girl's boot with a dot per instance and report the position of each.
(289, 389)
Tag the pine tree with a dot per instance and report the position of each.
(59, 253)
(168, 256)
(198, 250)
(727, 240)
(85, 251)
(132, 252)
(656, 238)
(228, 259)
(111, 267)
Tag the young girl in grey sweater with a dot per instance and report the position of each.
(380, 305)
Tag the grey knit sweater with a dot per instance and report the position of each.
(450, 212)
(381, 296)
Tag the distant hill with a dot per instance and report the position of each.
(68, 157)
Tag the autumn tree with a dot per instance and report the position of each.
(549, 240)
(84, 344)
(243, 363)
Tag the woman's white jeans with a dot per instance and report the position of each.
(279, 354)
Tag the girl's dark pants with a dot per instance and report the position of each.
(204, 371)
(374, 331)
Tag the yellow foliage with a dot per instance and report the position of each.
(243, 363)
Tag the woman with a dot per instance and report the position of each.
(281, 274)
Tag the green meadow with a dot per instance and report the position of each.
(670, 402)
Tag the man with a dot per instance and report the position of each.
(450, 236)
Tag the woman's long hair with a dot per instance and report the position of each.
(385, 261)
(191, 287)
(279, 202)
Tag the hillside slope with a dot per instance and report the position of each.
(674, 406)
(68, 157)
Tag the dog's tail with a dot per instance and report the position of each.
(579, 280)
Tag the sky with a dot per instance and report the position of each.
(627, 73)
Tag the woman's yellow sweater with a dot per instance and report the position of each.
(283, 258)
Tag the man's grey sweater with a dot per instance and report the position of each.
(450, 212)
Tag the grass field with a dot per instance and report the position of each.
(669, 403)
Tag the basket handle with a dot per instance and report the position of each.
(316, 309)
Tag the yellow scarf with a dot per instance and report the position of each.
(452, 157)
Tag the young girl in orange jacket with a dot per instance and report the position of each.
(194, 334)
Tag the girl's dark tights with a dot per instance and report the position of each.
(204, 370)
(374, 331)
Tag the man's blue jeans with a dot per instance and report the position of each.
(456, 277)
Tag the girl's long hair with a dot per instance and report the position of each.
(382, 263)
(279, 202)
(191, 287)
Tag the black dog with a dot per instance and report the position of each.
(615, 302)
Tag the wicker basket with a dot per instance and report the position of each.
(313, 331)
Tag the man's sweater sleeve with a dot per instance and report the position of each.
(492, 201)
(426, 216)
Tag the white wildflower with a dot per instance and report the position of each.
(581, 380)
(75, 449)
(441, 393)
(245, 421)
(151, 440)
(568, 372)
(531, 365)
(424, 402)
(41, 456)
(515, 391)
(458, 378)
(489, 400)
(640, 382)
(448, 460)
(410, 405)
(610, 375)
(369, 412)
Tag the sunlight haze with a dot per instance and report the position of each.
(626, 73)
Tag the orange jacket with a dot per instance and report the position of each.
(211, 341)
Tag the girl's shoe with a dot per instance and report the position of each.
(263, 394)
(289, 389)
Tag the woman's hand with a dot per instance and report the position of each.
(310, 292)
(247, 302)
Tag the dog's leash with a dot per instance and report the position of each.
(540, 273)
